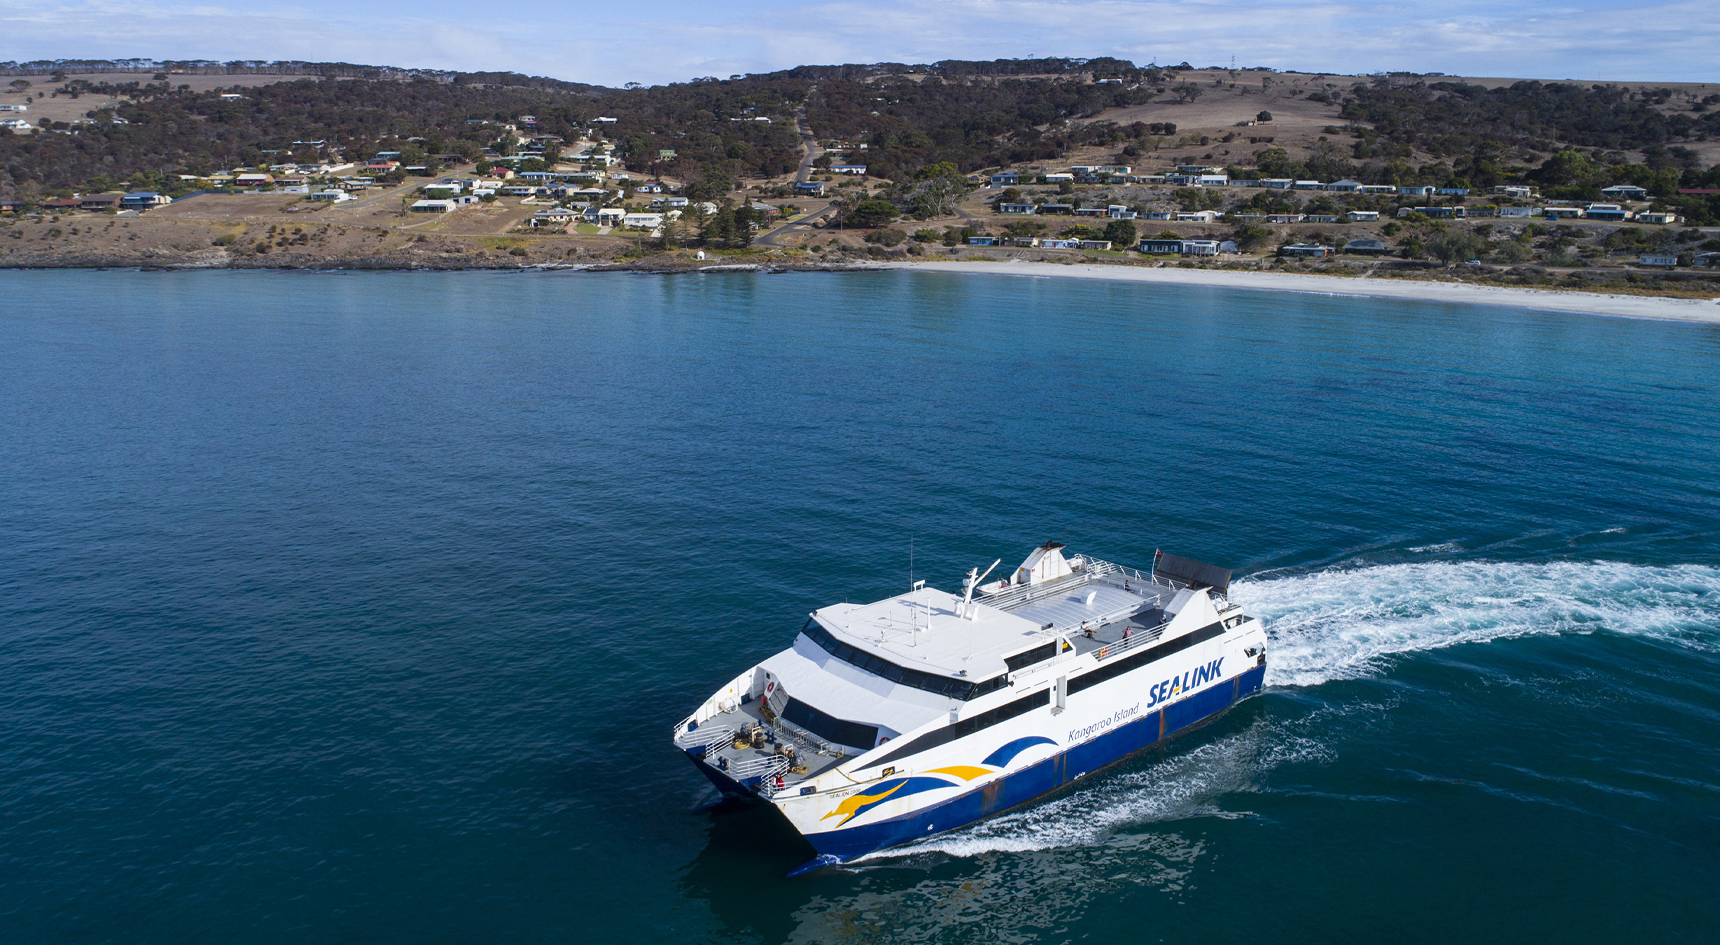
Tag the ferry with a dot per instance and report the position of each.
(896, 720)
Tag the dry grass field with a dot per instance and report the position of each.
(62, 107)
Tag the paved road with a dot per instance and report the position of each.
(771, 238)
(807, 142)
(812, 150)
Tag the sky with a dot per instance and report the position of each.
(675, 40)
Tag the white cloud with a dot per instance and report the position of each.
(678, 39)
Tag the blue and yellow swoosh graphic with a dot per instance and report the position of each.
(857, 804)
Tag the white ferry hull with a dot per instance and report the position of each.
(950, 802)
(889, 722)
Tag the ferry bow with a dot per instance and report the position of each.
(891, 721)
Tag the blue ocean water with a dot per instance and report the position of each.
(358, 607)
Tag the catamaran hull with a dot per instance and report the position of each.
(1049, 774)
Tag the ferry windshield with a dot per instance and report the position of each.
(878, 666)
(829, 727)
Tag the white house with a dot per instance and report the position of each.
(1198, 216)
(642, 221)
(1625, 192)
(144, 200)
(331, 196)
(433, 206)
(559, 216)
(14, 108)
(1362, 216)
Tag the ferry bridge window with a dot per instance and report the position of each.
(829, 727)
(878, 666)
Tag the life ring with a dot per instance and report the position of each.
(769, 688)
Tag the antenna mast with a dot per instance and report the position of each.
(974, 579)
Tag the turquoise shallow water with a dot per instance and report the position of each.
(358, 607)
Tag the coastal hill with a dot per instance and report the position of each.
(893, 157)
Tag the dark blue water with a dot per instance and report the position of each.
(357, 608)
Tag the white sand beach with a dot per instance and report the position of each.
(1591, 303)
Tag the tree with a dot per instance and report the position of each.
(1511, 252)
(1251, 236)
(1263, 116)
(1272, 161)
(1454, 246)
(19, 85)
(669, 232)
(872, 213)
(1565, 167)
(1120, 233)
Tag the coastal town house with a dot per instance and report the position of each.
(1624, 192)
(144, 200)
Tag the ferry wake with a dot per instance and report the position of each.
(920, 713)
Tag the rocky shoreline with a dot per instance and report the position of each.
(667, 263)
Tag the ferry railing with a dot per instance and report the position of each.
(806, 739)
(704, 736)
(1027, 593)
(1099, 568)
(765, 769)
(1091, 569)
(1130, 642)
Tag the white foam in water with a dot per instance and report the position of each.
(1349, 622)
(1346, 623)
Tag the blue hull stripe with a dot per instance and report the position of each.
(1054, 772)
(1004, 755)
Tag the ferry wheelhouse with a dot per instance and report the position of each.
(891, 721)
